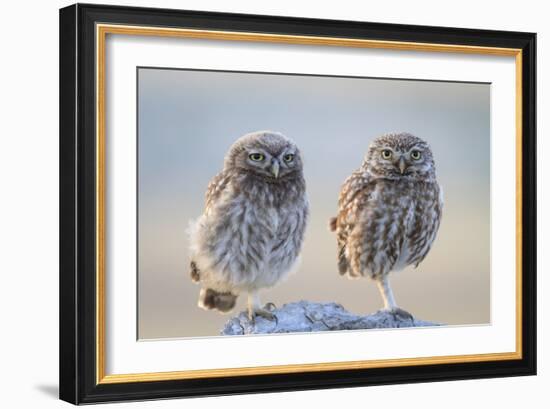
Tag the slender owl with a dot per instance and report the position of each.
(251, 232)
(389, 212)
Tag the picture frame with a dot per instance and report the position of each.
(83, 213)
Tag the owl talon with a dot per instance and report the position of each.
(270, 306)
(401, 313)
(264, 313)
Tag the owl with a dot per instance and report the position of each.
(389, 211)
(250, 234)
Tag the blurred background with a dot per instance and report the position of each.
(187, 120)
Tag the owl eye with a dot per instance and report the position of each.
(256, 157)
(416, 155)
(289, 157)
(386, 154)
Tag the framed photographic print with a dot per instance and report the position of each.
(257, 203)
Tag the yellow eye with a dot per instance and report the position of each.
(416, 155)
(256, 157)
(289, 157)
(386, 154)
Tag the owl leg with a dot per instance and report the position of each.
(385, 290)
(255, 308)
(389, 301)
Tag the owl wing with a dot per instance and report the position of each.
(425, 228)
(292, 226)
(215, 189)
(354, 192)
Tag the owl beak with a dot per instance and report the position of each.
(402, 165)
(275, 169)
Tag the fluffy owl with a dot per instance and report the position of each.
(251, 232)
(389, 212)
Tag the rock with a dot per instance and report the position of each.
(305, 316)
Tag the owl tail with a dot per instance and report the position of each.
(214, 300)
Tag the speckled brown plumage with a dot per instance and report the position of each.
(389, 210)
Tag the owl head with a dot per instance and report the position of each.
(400, 155)
(269, 155)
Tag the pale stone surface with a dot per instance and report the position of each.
(305, 316)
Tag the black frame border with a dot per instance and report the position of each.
(77, 256)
